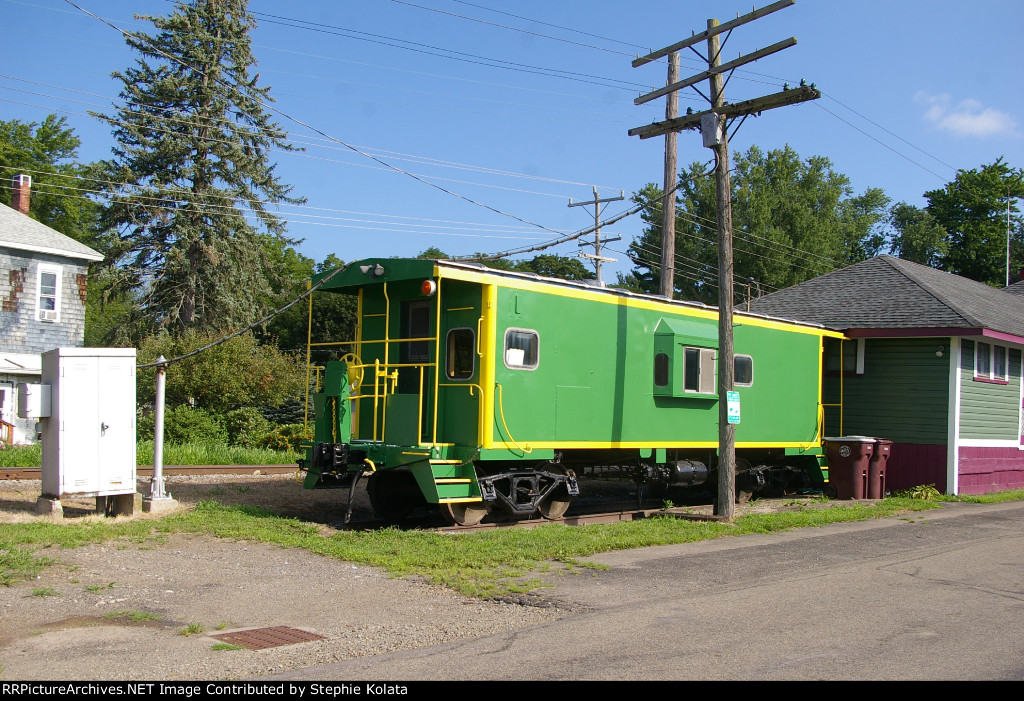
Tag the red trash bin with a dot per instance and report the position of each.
(876, 469)
(848, 461)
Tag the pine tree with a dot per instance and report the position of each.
(191, 183)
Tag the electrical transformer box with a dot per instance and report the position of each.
(89, 436)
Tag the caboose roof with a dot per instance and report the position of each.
(353, 276)
(886, 294)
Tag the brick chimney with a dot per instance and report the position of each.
(21, 193)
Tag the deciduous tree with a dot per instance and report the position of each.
(48, 153)
(793, 219)
(972, 209)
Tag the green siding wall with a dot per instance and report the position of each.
(595, 377)
(989, 411)
(903, 394)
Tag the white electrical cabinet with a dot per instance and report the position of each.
(89, 436)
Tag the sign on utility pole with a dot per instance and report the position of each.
(713, 124)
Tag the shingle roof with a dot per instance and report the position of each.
(1016, 288)
(887, 292)
(26, 234)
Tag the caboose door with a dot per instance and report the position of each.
(459, 391)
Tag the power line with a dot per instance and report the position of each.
(288, 116)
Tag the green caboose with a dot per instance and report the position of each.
(475, 388)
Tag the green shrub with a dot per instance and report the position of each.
(247, 427)
(287, 437)
(183, 424)
(144, 424)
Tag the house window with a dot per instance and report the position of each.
(846, 356)
(461, 354)
(990, 362)
(522, 349)
(48, 293)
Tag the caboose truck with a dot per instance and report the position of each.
(479, 389)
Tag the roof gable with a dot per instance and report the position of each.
(24, 233)
(887, 292)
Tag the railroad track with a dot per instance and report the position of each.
(34, 473)
(616, 512)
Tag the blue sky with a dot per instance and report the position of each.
(518, 107)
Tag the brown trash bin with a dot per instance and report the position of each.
(876, 469)
(848, 460)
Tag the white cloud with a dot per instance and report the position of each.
(965, 118)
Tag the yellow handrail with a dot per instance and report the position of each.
(501, 411)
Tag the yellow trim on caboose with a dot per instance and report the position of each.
(488, 333)
(359, 354)
(605, 298)
(654, 444)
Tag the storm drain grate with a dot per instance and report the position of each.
(262, 638)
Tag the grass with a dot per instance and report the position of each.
(192, 629)
(45, 591)
(226, 646)
(188, 454)
(486, 563)
(22, 455)
(214, 454)
(993, 498)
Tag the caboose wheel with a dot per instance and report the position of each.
(554, 508)
(464, 513)
(393, 494)
(745, 486)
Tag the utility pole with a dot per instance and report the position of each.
(597, 242)
(668, 199)
(713, 124)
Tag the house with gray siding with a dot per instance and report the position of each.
(42, 302)
(932, 361)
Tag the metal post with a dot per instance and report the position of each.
(157, 486)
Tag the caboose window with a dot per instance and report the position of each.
(522, 349)
(460, 353)
(661, 370)
(691, 374)
(699, 370)
(743, 370)
(416, 324)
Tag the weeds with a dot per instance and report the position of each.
(226, 646)
(45, 591)
(192, 629)
(18, 563)
(925, 492)
(133, 616)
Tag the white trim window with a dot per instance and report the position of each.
(990, 362)
(48, 279)
(522, 349)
